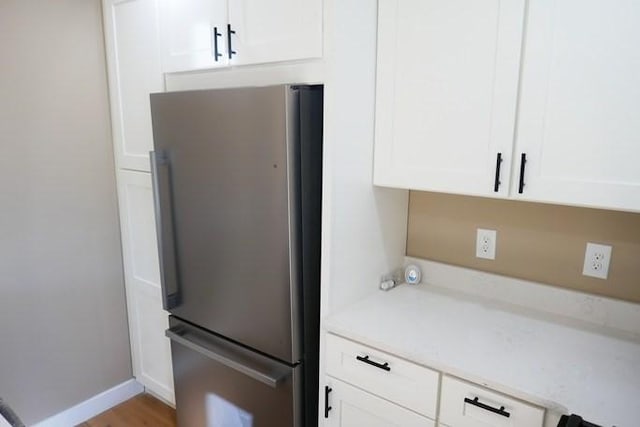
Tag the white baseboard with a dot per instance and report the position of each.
(158, 390)
(94, 405)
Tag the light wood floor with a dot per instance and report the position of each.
(139, 411)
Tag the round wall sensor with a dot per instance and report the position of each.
(412, 274)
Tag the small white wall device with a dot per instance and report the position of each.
(412, 274)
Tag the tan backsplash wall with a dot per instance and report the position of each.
(538, 242)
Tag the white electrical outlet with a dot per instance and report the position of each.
(486, 244)
(596, 260)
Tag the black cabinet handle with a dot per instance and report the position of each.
(229, 33)
(523, 162)
(496, 183)
(368, 361)
(214, 35)
(327, 408)
(476, 402)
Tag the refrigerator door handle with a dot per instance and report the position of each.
(161, 181)
(217, 351)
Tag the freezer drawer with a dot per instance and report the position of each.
(220, 384)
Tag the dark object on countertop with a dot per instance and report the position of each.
(9, 415)
(574, 420)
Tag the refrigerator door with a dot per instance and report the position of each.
(220, 384)
(227, 204)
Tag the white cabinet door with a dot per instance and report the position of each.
(193, 34)
(447, 83)
(580, 103)
(151, 352)
(199, 34)
(352, 407)
(133, 57)
(276, 30)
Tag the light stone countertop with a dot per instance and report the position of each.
(560, 363)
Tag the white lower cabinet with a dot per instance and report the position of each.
(369, 387)
(150, 349)
(412, 386)
(373, 388)
(352, 407)
(464, 404)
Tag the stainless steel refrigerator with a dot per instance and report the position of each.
(237, 190)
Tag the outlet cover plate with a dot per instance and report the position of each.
(596, 260)
(486, 244)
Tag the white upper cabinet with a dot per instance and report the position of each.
(275, 30)
(580, 104)
(447, 82)
(133, 59)
(194, 34)
(449, 72)
(200, 34)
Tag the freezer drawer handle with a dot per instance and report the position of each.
(178, 335)
(368, 361)
(327, 408)
(476, 402)
(161, 181)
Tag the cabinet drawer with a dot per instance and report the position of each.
(468, 405)
(352, 407)
(405, 383)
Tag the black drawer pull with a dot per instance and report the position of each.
(229, 33)
(215, 36)
(486, 407)
(496, 183)
(368, 361)
(327, 408)
(523, 162)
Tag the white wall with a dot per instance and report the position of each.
(63, 331)
(366, 226)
